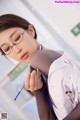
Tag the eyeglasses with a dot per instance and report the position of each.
(6, 48)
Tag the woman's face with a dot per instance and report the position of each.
(18, 43)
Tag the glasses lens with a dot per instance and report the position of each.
(6, 49)
(18, 39)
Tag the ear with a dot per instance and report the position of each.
(31, 30)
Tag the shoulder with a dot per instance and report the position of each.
(40, 56)
(43, 59)
(46, 54)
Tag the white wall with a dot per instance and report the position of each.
(62, 18)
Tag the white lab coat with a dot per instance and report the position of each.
(64, 85)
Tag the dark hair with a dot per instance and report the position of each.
(11, 20)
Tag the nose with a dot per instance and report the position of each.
(17, 49)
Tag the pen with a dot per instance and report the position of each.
(19, 92)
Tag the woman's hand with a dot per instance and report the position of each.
(33, 81)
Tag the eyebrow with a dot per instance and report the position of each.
(13, 33)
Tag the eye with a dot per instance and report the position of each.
(18, 38)
(7, 49)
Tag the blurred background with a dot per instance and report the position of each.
(58, 28)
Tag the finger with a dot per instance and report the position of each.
(32, 80)
(38, 74)
(37, 80)
(27, 82)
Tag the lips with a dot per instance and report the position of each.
(24, 56)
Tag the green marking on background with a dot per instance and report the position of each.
(76, 30)
(17, 70)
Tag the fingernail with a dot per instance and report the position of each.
(37, 69)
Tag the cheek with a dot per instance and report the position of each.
(24, 44)
(13, 56)
(28, 42)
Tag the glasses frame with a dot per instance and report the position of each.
(13, 44)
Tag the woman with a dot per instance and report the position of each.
(18, 41)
